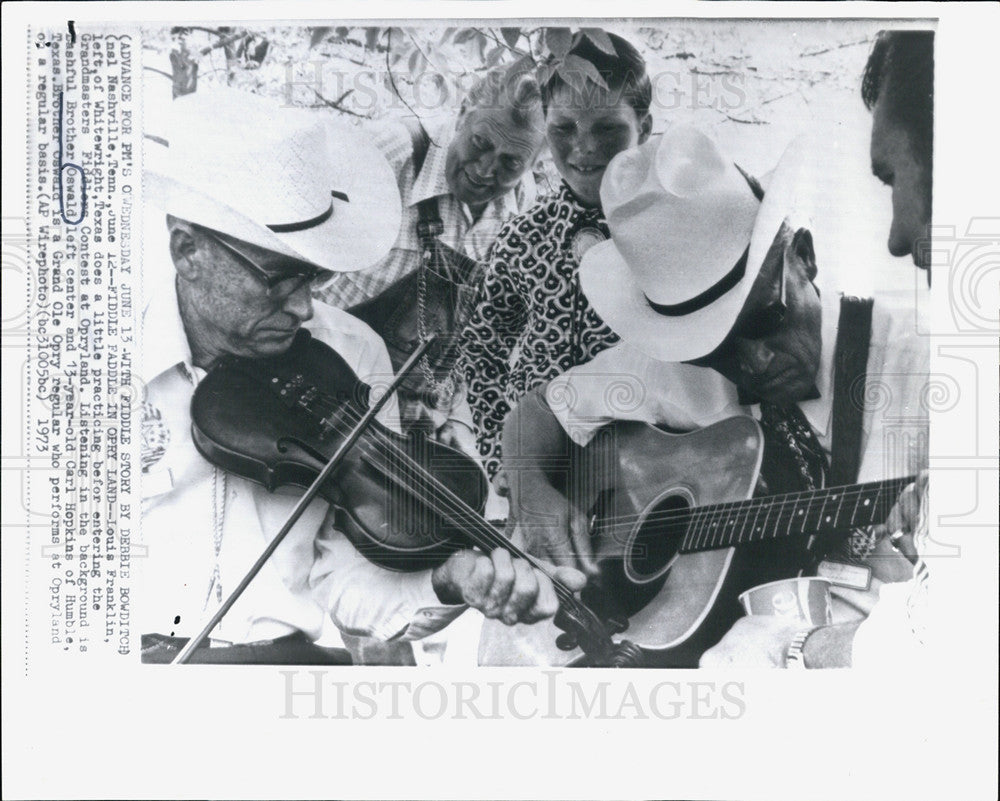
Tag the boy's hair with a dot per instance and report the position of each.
(624, 72)
(900, 72)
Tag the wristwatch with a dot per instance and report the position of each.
(794, 658)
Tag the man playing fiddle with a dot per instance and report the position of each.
(715, 289)
(260, 201)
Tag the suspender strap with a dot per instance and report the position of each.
(854, 331)
(429, 225)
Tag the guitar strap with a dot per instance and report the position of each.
(843, 562)
(854, 330)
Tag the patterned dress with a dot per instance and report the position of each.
(531, 321)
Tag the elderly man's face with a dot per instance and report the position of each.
(225, 302)
(894, 164)
(780, 365)
(489, 154)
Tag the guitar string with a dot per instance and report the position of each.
(686, 516)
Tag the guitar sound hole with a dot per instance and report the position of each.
(657, 540)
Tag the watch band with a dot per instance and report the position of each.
(794, 658)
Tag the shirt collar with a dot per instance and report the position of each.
(432, 181)
(565, 195)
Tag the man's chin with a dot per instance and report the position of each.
(472, 193)
(273, 343)
(784, 392)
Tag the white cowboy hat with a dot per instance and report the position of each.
(290, 180)
(681, 216)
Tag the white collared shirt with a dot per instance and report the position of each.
(196, 518)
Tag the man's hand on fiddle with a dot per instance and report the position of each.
(502, 587)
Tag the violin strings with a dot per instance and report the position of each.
(747, 506)
(680, 519)
(455, 509)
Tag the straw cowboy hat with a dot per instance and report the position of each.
(671, 280)
(291, 180)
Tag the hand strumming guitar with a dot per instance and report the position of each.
(552, 525)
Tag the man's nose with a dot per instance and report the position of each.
(899, 244)
(300, 304)
(754, 357)
(486, 166)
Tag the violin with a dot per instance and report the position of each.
(405, 502)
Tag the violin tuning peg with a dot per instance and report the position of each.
(617, 624)
(566, 642)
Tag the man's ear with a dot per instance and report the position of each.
(183, 247)
(802, 247)
(645, 127)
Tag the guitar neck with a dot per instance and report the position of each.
(800, 513)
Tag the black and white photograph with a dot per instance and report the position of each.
(614, 295)
(525, 385)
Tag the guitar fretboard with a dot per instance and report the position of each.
(801, 513)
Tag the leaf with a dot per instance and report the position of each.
(545, 73)
(448, 33)
(571, 78)
(524, 64)
(494, 56)
(442, 86)
(558, 40)
(411, 65)
(600, 39)
(582, 68)
(343, 31)
(465, 35)
(317, 35)
(400, 52)
(510, 36)
(371, 37)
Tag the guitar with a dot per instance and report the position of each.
(677, 537)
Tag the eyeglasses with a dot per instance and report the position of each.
(279, 286)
